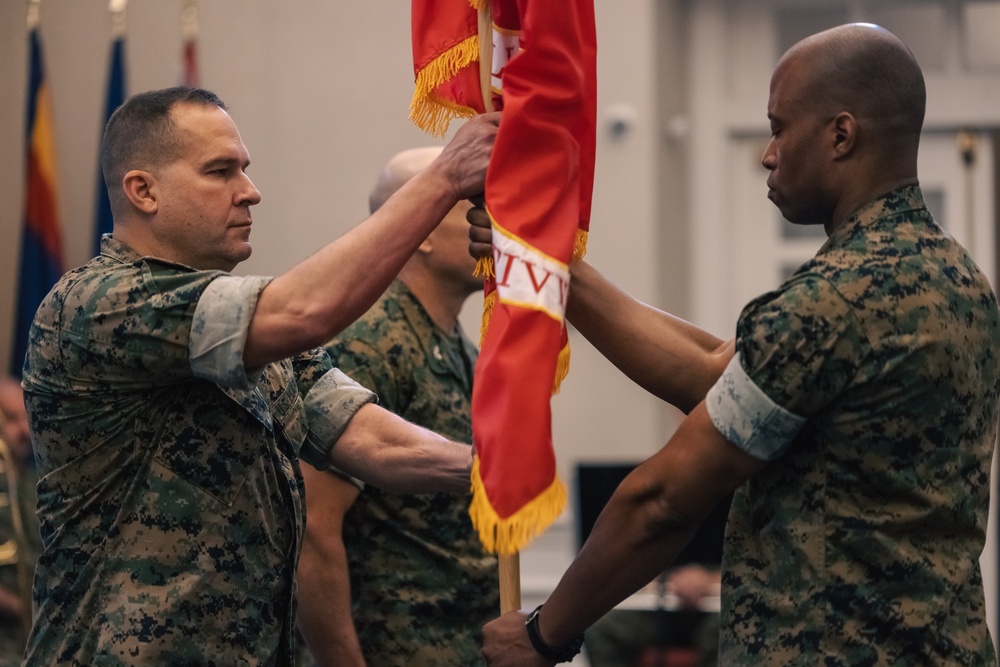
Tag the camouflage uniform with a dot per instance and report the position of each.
(422, 587)
(871, 380)
(170, 498)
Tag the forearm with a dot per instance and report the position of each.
(669, 357)
(316, 299)
(390, 453)
(648, 521)
(632, 542)
(324, 613)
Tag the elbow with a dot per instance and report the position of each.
(654, 509)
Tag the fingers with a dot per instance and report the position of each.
(466, 157)
(480, 233)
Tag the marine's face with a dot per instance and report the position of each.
(795, 156)
(204, 196)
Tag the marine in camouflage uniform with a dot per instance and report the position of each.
(421, 585)
(170, 498)
(859, 544)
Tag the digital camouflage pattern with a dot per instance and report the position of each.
(860, 546)
(421, 585)
(171, 508)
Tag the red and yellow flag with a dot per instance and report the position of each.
(538, 195)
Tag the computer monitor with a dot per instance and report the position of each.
(596, 482)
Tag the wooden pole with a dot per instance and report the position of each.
(510, 582)
(509, 564)
(486, 54)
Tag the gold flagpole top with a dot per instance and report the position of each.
(117, 9)
(189, 20)
(33, 7)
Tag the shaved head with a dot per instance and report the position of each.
(398, 170)
(867, 71)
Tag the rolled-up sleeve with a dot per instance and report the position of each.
(330, 404)
(798, 349)
(747, 417)
(219, 330)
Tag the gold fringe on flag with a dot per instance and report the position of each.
(510, 535)
(580, 244)
(562, 368)
(430, 112)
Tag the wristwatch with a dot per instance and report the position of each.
(551, 653)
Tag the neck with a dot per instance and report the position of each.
(852, 200)
(443, 302)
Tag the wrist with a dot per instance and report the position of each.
(564, 653)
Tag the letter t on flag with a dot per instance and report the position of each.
(538, 192)
(41, 239)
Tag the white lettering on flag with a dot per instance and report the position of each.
(506, 45)
(529, 278)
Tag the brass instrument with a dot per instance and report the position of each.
(14, 550)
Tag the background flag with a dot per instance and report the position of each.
(189, 53)
(103, 221)
(538, 194)
(41, 242)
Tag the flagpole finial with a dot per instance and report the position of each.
(33, 13)
(189, 20)
(117, 9)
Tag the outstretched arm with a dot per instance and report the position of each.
(386, 451)
(672, 359)
(644, 526)
(665, 355)
(316, 299)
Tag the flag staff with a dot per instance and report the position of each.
(509, 564)
(33, 13)
(117, 9)
(189, 21)
(189, 36)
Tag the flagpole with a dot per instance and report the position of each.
(509, 564)
(486, 54)
(33, 8)
(189, 33)
(117, 10)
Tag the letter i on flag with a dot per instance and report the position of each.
(103, 221)
(41, 240)
(538, 194)
(189, 53)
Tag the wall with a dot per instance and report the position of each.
(320, 92)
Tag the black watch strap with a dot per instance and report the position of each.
(551, 653)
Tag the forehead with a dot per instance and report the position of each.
(207, 132)
(787, 85)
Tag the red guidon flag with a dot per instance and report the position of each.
(538, 195)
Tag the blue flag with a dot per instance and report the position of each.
(41, 240)
(103, 221)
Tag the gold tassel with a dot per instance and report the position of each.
(429, 112)
(510, 535)
(562, 368)
(580, 244)
(484, 267)
(489, 301)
